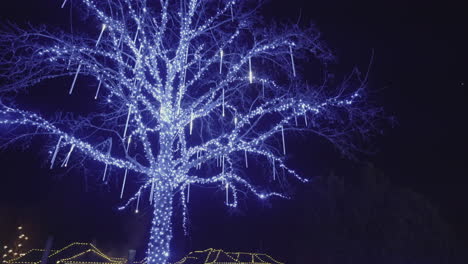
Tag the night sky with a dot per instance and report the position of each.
(419, 76)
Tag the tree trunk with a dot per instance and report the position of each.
(161, 226)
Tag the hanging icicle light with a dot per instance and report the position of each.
(152, 191)
(74, 79)
(223, 164)
(223, 102)
(123, 184)
(136, 35)
(105, 171)
(64, 3)
(246, 160)
(128, 142)
(98, 88)
(138, 203)
(295, 117)
(221, 55)
(55, 152)
(104, 26)
(250, 71)
(292, 61)
(65, 161)
(284, 143)
(128, 119)
(107, 164)
(191, 122)
(227, 193)
(274, 169)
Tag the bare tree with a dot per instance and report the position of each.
(187, 93)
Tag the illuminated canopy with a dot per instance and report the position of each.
(75, 253)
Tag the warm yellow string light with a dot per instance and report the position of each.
(211, 258)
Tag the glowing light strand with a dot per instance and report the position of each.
(191, 122)
(250, 71)
(227, 192)
(138, 203)
(128, 120)
(67, 158)
(295, 118)
(123, 184)
(292, 61)
(223, 114)
(246, 159)
(221, 54)
(74, 79)
(106, 164)
(98, 88)
(55, 152)
(282, 137)
(274, 169)
(105, 173)
(151, 196)
(104, 26)
(128, 142)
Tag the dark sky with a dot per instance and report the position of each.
(419, 74)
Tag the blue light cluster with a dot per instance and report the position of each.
(187, 87)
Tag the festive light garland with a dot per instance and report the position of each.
(187, 112)
(72, 259)
(213, 257)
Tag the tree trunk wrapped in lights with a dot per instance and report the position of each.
(188, 91)
(161, 227)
